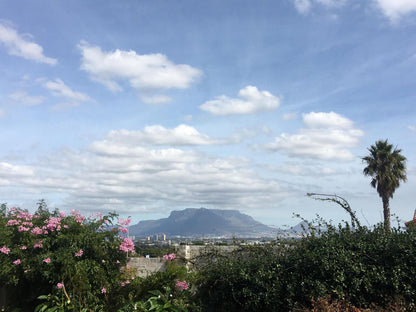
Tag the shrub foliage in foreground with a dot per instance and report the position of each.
(364, 267)
(75, 259)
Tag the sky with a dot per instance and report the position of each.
(144, 107)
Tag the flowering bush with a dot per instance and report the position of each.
(75, 259)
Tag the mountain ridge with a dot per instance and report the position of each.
(191, 222)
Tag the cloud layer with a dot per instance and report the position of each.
(250, 100)
(130, 171)
(326, 136)
(16, 44)
(147, 73)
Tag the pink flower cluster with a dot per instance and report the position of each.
(17, 262)
(37, 231)
(38, 244)
(53, 224)
(181, 285)
(127, 245)
(124, 222)
(5, 250)
(79, 253)
(169, 256)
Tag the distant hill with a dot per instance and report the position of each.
(197, 222)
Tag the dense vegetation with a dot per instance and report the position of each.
(363, 268)
(72, 263)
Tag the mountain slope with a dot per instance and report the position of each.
(199, 222)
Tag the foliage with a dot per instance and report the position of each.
(75, 259)
(162, 291)
(363, 267)
(386, 167)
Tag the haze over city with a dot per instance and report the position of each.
(143, 107)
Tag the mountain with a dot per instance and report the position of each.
(197, 222)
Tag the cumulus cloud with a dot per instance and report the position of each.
(23, 98)
(146, 73)
(159, 135)
(394, 9)
(118, 174)
(250, 101)
(325, 136)
(70, 98)
(20, 45)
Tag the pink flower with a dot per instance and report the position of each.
(23, 228)
(118, 262)
(38, 244)
(169, 256)
(53, 224)
(60, 285)
(79, 253)
(79, 219)
(123, 284)
(124, 222)
(17, 262)
(62, 215)
(103, 261)
(181, 285)
(23, 248)
(66, 226)
(127, 245)
(37, 231)
(127, 282)
(47, 260)
(103, 290)
(12, 222)
(123, 230)
(5, 250)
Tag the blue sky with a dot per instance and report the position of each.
(143, 107)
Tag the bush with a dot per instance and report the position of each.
(75, 259)
(364, 268)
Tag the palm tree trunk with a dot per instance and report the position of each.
(386, 212)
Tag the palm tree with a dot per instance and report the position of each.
(387, 167)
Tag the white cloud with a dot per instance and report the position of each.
(412, 128)
(325, 136)
(9, 170)
(394, 9)
(16, 44)
(71, 98)
(250, 101)
(159, 135)
(305, 6)
(123, 176)
(146, 73)
(302, 6)
(23, 98)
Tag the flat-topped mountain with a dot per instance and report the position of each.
(192, 222)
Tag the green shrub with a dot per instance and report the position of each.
(364, 267)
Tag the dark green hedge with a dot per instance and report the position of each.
(365, 267)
